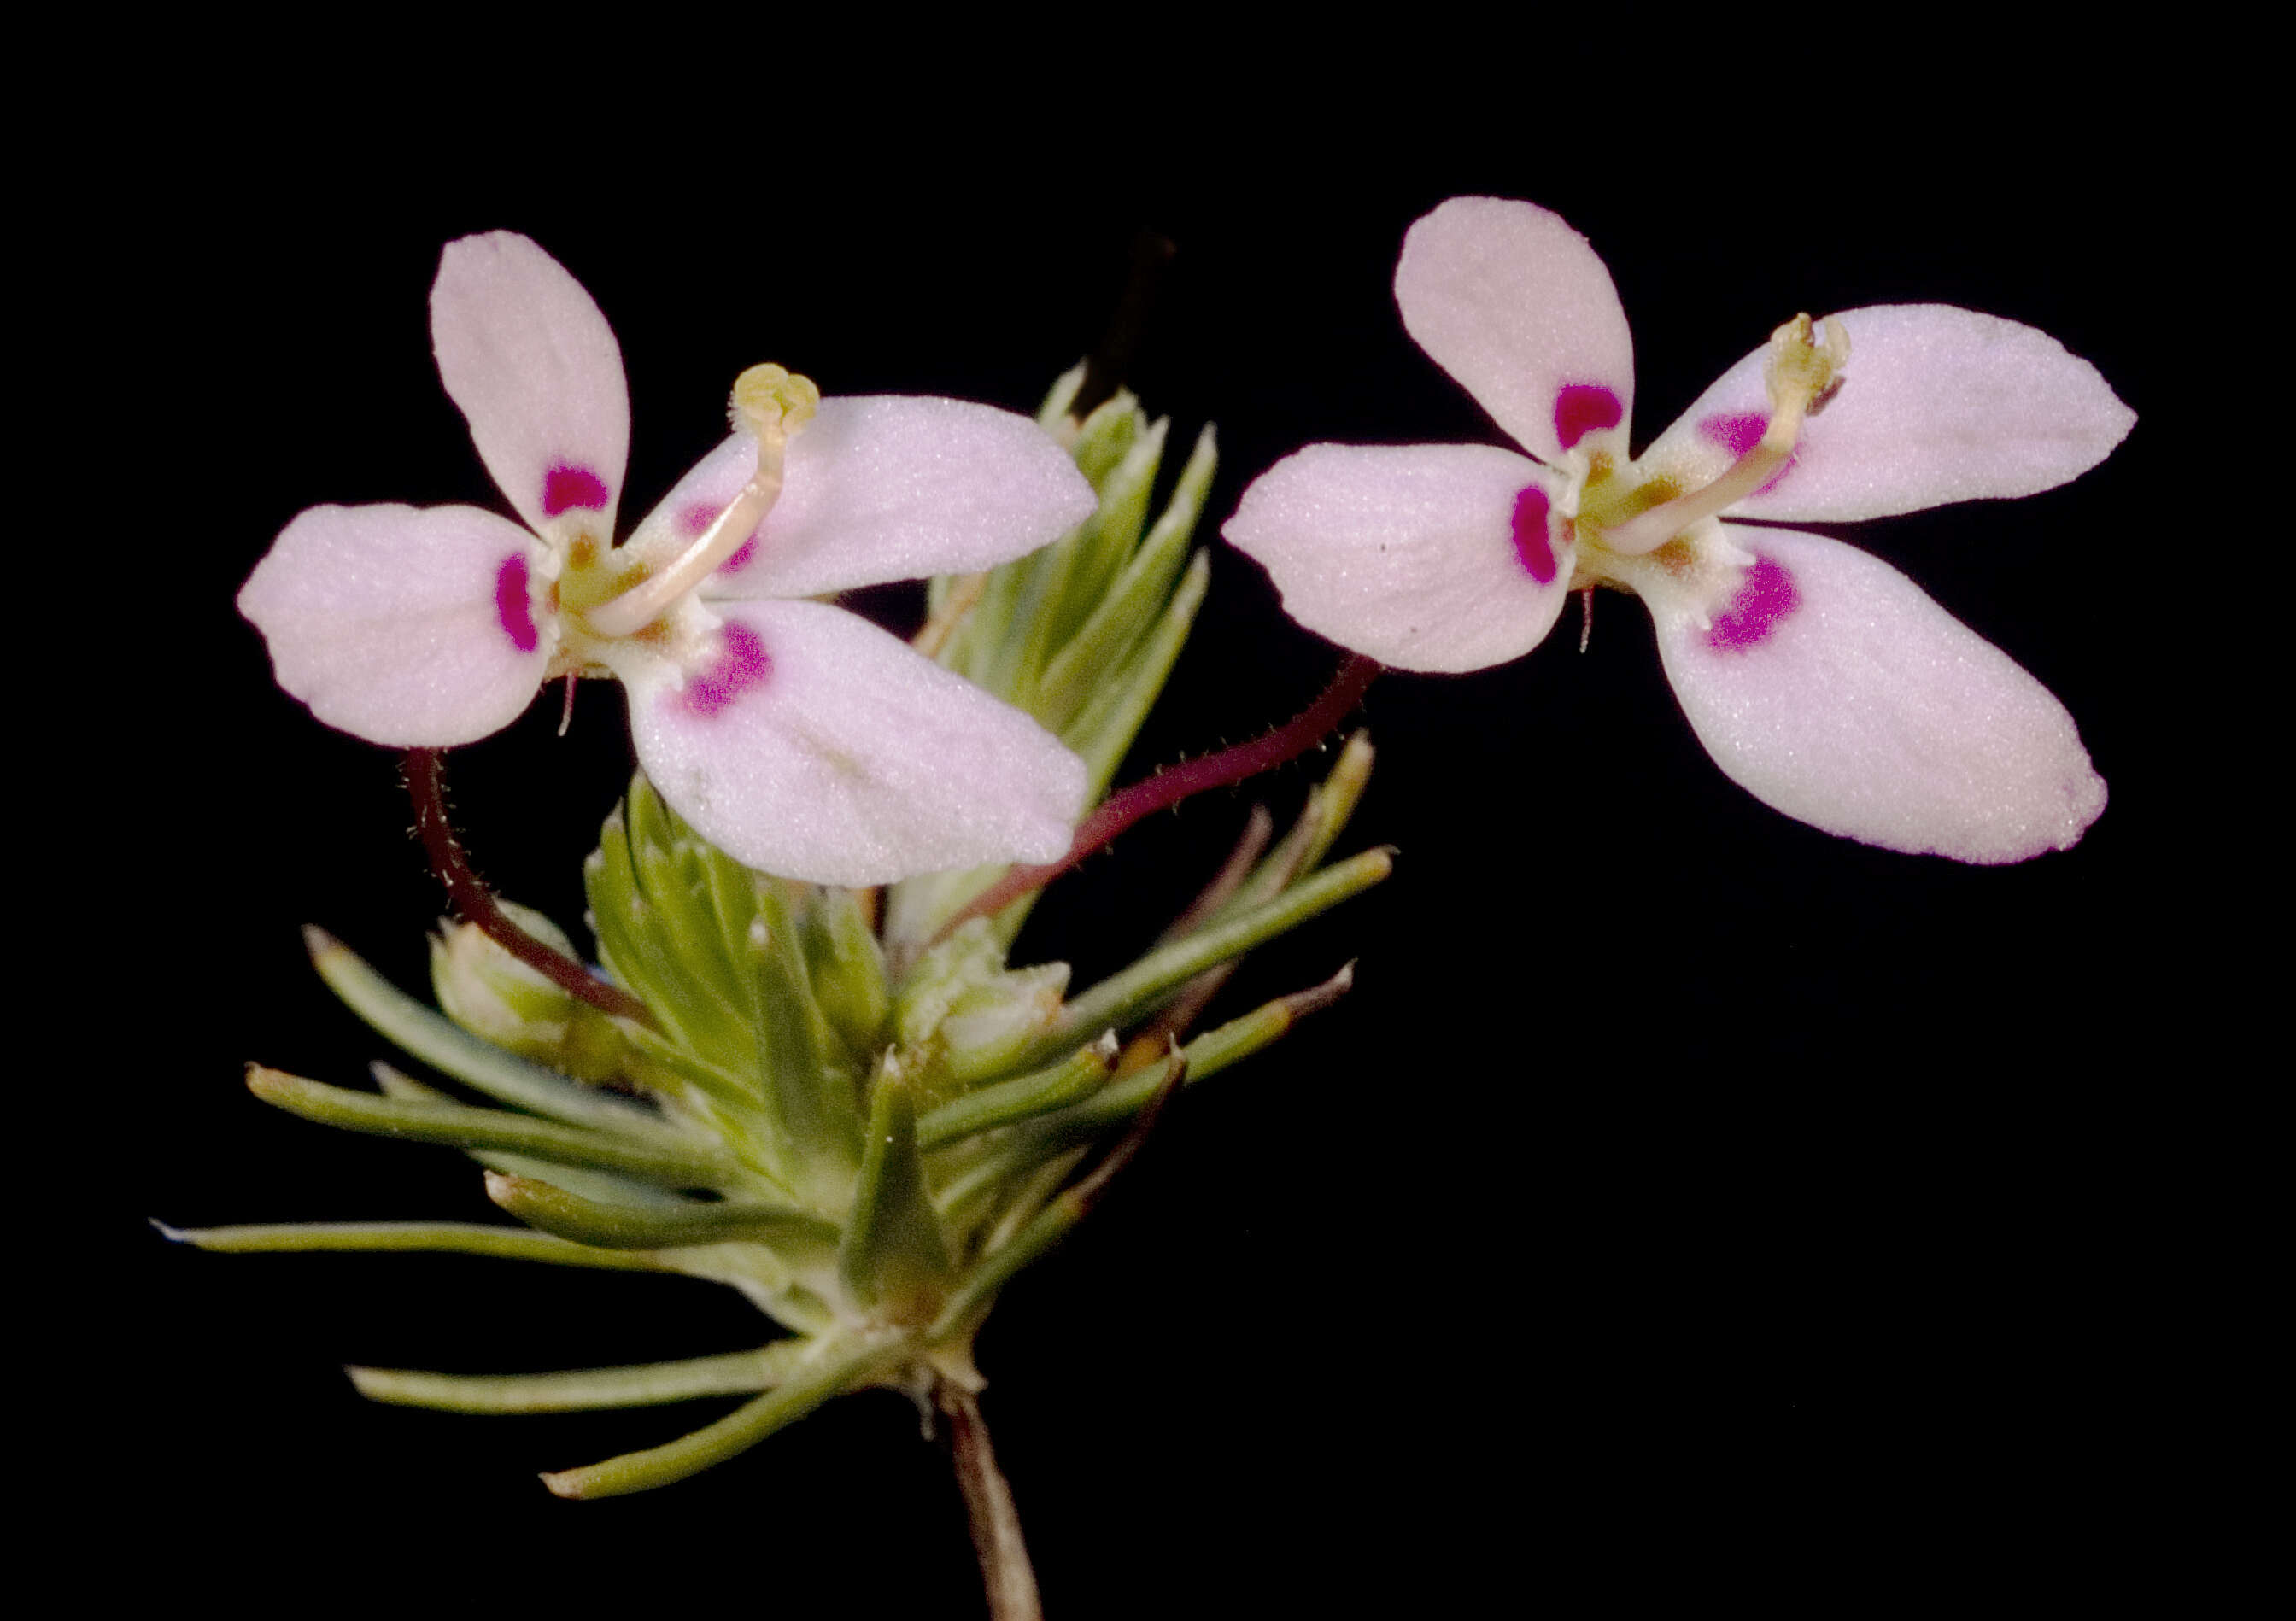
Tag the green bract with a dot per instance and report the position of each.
(866, 1130)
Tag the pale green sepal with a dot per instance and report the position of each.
(1074, 1078)
(1124, 996)
(680, 1163)
(584, 1389)
(960, 999)
(895, 1256)
(540, 1203)
(509, 1004)
(454, 1052)
(428, 1237)
(835, 1367)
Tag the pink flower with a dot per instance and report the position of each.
(1819, 678)
(796, 736)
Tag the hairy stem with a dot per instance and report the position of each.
(474, 902)
(1169, 787)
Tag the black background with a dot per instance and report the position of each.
(1683, 1196)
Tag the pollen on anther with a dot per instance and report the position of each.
(567, 485)
(1581, 408)
(1532, 543)
(515, 605)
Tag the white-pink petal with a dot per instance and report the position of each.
(1833, 689)
(528, 358)
(1937, 404)
(1513, 302)
(814, 745)
(1427, 557)
(884, 488)
(415, 626)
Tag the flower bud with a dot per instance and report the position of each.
(499, 999)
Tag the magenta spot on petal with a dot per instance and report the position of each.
(740, 665)
(568, 486)
(1582, 408)
(743, 553)
(698, 516)
(1764, 600)
(1738, 432)
(515, 605)
(1531, 543)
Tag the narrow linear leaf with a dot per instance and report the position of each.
(590, 1184)
(584, 1389)
(1124, 996)
(835, 1367)
(895, 1255)
(430, 1035)
(684, 1165)
(1104, 730)
(1079, 1076)
(1130, 606)
(427, 1237)
(542, 1204)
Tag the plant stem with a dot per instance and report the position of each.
(474, 902)
(1005, 1573)
(1169, 787)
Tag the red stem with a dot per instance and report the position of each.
(1175, 783)
(474, 902)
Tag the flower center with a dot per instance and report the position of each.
(770, 403)
(1630, 517)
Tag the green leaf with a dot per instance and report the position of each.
(1104, 729)
(400, 1238)
(554, 1209)
(447, 1047)
(585, 1389)
(1124, 996)
(833, 1367)
(672, 1162)
(1129, 606)
(894, 1257)
(848, 973)
(1076, 1076)
(816, 1115)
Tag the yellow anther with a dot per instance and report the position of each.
(770, 403)
(770, 398)
(1798, 373)
(1800, 368)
